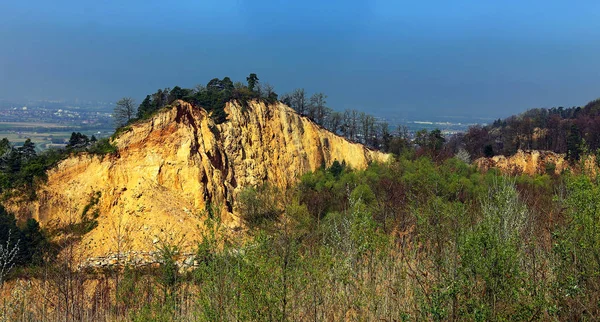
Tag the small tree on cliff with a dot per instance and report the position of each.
(252, 81)
(124, 111)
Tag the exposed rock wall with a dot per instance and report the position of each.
(527, 162)
(170, 167)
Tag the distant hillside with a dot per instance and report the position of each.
(562, 130)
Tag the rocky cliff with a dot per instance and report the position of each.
(170, 167)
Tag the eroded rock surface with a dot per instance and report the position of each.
(170, 167)
(527, 162)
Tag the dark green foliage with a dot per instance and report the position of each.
(337, 168)
(152, 103)
(89, 220)
(217, 93)
(32, 241)
(146, 107)
(574, 144)
(21, 167)
(33, 245)
(488, 151)
(5, 147)
(252, 81)
(78, 141)
(27, 152)
(8, 223)
(178, 93)
(211, 97)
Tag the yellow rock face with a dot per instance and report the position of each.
(527, 162)
(170, 167)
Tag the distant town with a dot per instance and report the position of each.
(50, 123)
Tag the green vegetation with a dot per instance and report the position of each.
(88, 220)
(212, 97)
(32, 244)
(412, 239)
(22, 167)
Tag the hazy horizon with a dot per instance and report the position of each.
(390, 59)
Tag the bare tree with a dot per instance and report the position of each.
(317, 108)
(298, 101)
(334, 122)
(267, 91)
(124, 111)
(7, 257)
(350, 128)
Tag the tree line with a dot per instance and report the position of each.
(352, 124)
(563, 130)
(212, 97)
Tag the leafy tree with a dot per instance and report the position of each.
(5, 147)
(252, 81)
(436, 140)
(258, 206)
(422, 138)
(228, 84)
(574, 144)
(215, 85)
(336, 168)
(8, 223)
(177, 93)
(27, 151)
(78, 141)
(34, 244)
(146, 107)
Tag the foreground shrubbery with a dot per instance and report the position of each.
(410, 240)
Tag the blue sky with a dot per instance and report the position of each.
(391, 58)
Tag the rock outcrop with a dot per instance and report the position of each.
(525, 162)
(171, 166)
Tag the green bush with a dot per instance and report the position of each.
(577, 247)
(103, 146)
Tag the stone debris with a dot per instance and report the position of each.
(185, 261)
